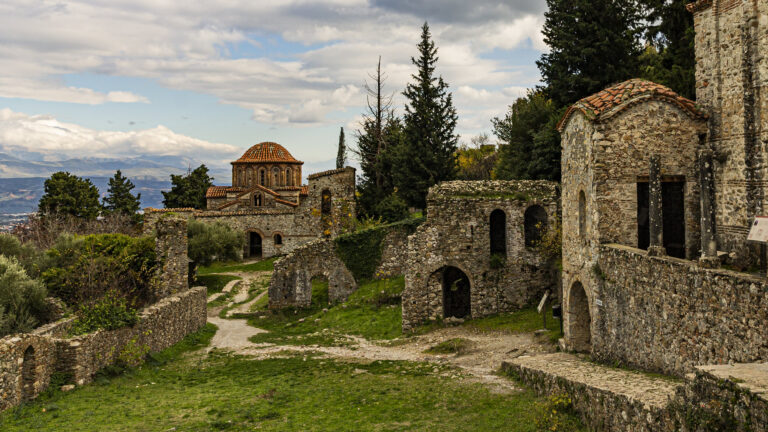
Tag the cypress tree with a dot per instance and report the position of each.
(428, 153)
(341, 156)
(119, 198)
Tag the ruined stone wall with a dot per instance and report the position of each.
(457, 234)
(160, 326)
(26, 364)
(731, 84)
(171, 249)
(669, 315)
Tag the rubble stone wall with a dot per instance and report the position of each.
(26, 364)
(457, 234)
(668, 315)
(171, 247)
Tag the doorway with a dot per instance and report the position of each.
(456, 293)
(255, 245)
(673, 216)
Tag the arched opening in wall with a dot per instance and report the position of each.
(457, 300)
(288, 177)
(278, 239)
(262, 177)
(254, 244)
(582, 215)
(319, 298)
(579, 319)
(28, 375)
(325, 206)
(672, 215)
(257, 200)
(498, 233)
(535, 224)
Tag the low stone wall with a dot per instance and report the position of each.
(26, 364)
(668, 315)
(160, 326)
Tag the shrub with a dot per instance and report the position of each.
(44, 231)
(78, 269)
(209, 242)
(22, 299)
(27, 256)
(110, 312)
(392, 208)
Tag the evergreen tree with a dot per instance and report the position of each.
(68, 194)
(119, 198)
(593, 43)
(341, 156)
(188, 190)
(428, 154)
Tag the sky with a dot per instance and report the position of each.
(206, 80)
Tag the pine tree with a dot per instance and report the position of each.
(188, 190)
(119, 198)
(68, 194)
(371, 143)
(593, 43)
(341, 156)
(428, 154)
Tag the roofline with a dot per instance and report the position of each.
(330, 172)
(274, 161)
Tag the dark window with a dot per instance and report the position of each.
(326, 202)
(582, 215)
(262, 178)
(278, 239)
(672, 216)
(535, 224)
(254, 245)
(257, 200)
(498, 233)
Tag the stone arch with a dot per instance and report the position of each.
(278, 239)
(535, 222)
(255, 243)
(498, 232)
(456, 299)
(579, 330)
(28, 374)
(582, 215)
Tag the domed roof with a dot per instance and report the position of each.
(268, 152)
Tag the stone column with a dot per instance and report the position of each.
(656, 224)
(708, 257)
(171, 249)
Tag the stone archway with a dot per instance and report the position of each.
(579, 319)
(28, 374)
(457, 297)
(254, 244)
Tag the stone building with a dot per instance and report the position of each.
(268, 203)
(475, 255)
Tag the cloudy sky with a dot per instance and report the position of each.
(120, 78)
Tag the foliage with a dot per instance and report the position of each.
(427, 155)
(477, 162)
(22, 299)
(43, 231)
(558, 414)
(218, 267)
(26, 255)
(392, 208)
(79, 269)
(189, 190)
(497, 261)
(592, 44)
(456, 346)
(551, 244)
(119, 198)
(214, 282)
(110, 312)
(68, 194)
(341, 155)
(532, 144)
(217, 241)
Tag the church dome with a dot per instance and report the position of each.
(267, 152)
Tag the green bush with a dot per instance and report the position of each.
(110, 312)
(22, 299)
(209, 242)
(78, 269)
(27, 256)
(392, 208)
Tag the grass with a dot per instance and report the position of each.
(456, 346)
(215, 283)
(373, 312)
(221, 391)
(232, 267)
(526, 320)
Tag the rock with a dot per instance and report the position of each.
(68, 387)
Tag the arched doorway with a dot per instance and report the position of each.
(28, 374)
(457, 301)
(254, 245)
(579, 319)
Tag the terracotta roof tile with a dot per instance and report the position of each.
(221, 191)
(267, 152)
(624, 95)
(304, 191)
(289, 203)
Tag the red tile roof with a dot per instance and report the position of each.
(623, 95)
(289, 203)
(304, 191)
(221, 191)
(267, 152)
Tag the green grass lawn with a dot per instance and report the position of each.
(526, 320)
(231, 267)
(215, 283)
(219, 391)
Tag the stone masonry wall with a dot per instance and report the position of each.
(668, 315)
(26, 364)
(457, 234)
(171, 248)
(160, 326)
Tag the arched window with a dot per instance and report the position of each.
(582, 215)
(276, 176)
(535, 224)
(262, 177)
(257, 200)
(326, 204)
(288, 177)
(278, 239)
(498, 232)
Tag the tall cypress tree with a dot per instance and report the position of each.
(341, 156)
(119, 198)
(428, 153)
(593, 43)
